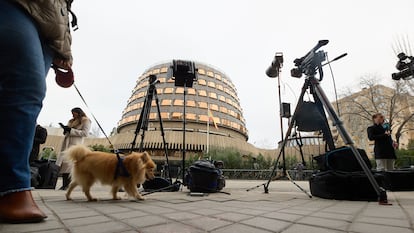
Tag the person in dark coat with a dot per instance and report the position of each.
(39, 138)
(383, 148)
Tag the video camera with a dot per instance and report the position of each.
(405, 66)
(311, 62)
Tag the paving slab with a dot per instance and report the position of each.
(267, 223)
(284, 209)
(375, 228)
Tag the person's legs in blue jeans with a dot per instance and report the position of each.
(24, 63)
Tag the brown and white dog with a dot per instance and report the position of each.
(92, 166)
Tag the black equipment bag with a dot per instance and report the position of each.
(309, 118)
(34, 177)
(159, 183)
(342, 159)
(353, 186)
(204, 177)
(399, 180)
(155, 184)
(48, 172)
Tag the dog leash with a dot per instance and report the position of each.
(120, 169)
(67, 75)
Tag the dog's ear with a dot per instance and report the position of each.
(145, 157)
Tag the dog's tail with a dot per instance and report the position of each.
(78, 152)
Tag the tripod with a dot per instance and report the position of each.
(144, 120)
(310, 65)
(322, 101)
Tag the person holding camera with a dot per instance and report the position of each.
(384, 152)
(75, 131)
(33, 35)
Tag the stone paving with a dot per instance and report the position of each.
(285, 209)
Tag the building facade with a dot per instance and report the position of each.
(357, 109)
(213, 96)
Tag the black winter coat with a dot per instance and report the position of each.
(383, 148)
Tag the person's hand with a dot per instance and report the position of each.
(395, 144)
(64, 64)
(66, 129)
(388, 132)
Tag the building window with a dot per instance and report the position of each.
(223, 110)
(170, 80)
(178, 102)
(201, 71)
(202, 93)
(159, 91)
(144, 84)
(214, 107)
(238, 116)
(212, 84)
(213, 95)
(191, 116)
(202, 82)
(166, 102)
(219, 87)
(168, 90)
(176, 116)
(162, 80)
(153, 116)
(222, 98)
(165, 115)
(210, 74)
(203, 118)
(141, 94)
(164, 70)
(136, 106)
(191, 91)
(179, 90)
(202, 104)
(191, 103)
(226, 122)
(217, 76)
(155, 71)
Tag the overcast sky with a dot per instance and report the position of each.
(118, 40)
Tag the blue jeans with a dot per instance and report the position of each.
(24, 63)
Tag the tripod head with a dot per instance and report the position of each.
(152, 79)
(311, 63)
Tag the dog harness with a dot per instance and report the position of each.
(120, 169)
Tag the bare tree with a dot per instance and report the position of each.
(394, 103)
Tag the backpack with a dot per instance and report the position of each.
(204, 177)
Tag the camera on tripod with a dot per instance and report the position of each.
(405, 66)
(309, 63)
(183, 72)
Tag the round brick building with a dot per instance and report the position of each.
(213, 92)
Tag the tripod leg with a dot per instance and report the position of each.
(141, 121)
(301, 189)
(145, 116)
(382, 195)
(288, 133)
(163, 135)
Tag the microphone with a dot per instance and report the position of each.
(335, 59)
(339, 57)
(277, 63)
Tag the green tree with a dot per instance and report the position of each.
(405, 158)
(48, 153)
(100, 147)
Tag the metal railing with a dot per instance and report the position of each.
(252, 174)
